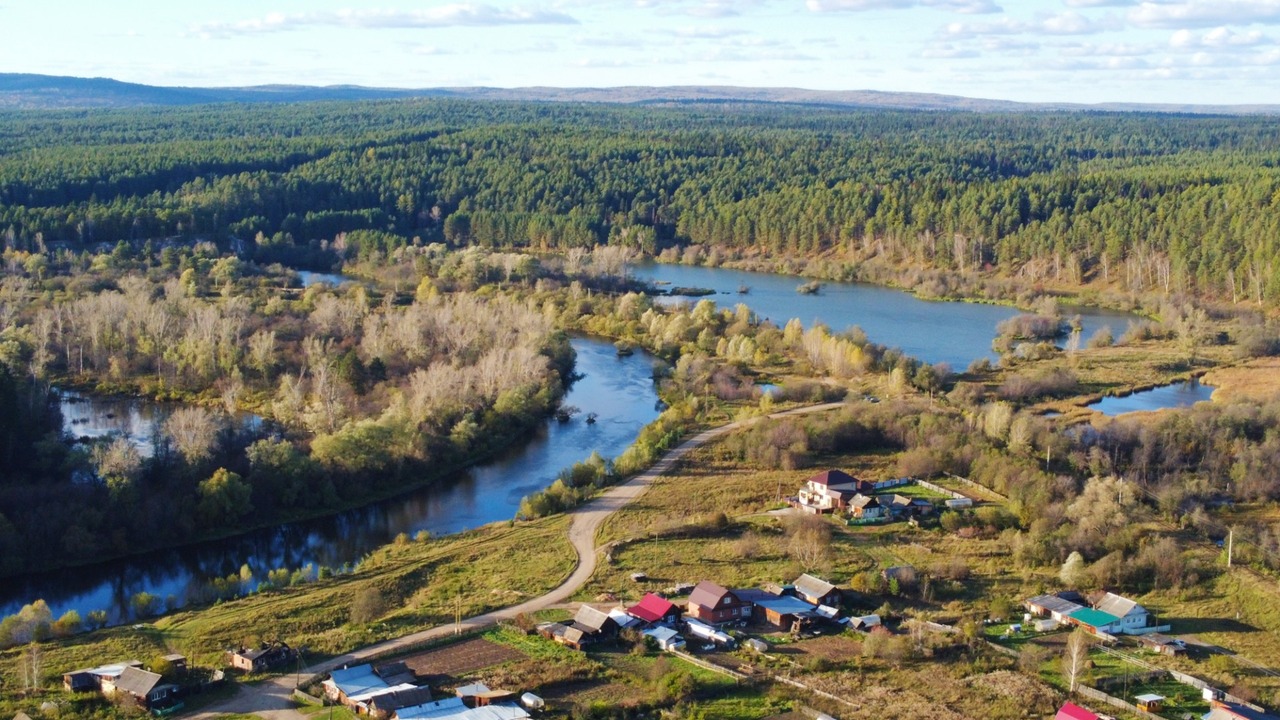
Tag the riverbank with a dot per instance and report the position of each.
(487, 575)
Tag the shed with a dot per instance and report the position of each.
(1055, 606)
(387, 703)
(865, 622)
(176, 661)
(666, 638)
(1149, 702)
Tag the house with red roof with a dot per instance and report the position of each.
(655, 610)
(1071, 711)
(831, 491)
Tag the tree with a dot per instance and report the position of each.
(1075, 659)
(1073, 573)
(810, 542)
(194, 431)
(224, 498)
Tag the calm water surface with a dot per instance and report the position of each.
(956, 333)
(1177, 395)
(619, 390)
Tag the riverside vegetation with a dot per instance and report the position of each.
(151, 270)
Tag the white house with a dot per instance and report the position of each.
(1130, 615)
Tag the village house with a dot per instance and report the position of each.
(817, 591)
(902, 506)
(866, 507)
(91, 680)
(145, 688)
(596, 625)
(1058, 606)
(830, 492)
(381, 707)
(262, 658)
(783, 612)
(655, 610)
(716, 605)
(364, 688)
(1130, 615)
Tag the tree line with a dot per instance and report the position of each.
(1146, 202)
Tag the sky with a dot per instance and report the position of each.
(1086, 51)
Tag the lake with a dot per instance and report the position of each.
(936, 331)
(1177, 395)
(619, 390)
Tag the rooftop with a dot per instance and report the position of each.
(651, 608)
(1093, 618)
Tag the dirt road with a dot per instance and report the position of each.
(271, 698)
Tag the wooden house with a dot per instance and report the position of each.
(716, 605)
(655, 610)
(816, 591)
(830, 491)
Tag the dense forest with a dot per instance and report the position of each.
(1171, 204)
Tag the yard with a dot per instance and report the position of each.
(458, 659)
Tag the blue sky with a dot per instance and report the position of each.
(1203, 51)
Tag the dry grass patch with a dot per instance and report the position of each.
(1252, 381)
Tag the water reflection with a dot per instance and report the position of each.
(619, 390)
(1177, 395)
(956, 333)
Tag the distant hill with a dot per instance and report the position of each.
(25, 91)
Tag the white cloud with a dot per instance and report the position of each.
(453, 15)
(964, 7)
(1099, 3)
(1105, 50)
(1204, 13)
(707, 32)
(1219, 37)
(1068, 23)
(949, 51)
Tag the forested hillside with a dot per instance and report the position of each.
(1145, 202)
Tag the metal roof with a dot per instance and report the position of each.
(137, 682)
(1093, 618)
(357, 680)
(813, 587)
(1117, 605)
(1055, 604)
(651, 608)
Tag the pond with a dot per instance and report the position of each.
(935, 331)
(1177, 395)
(137, 420)
(309, 278)
(619, 390)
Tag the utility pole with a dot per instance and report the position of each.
(457, 613)
(1231, 536)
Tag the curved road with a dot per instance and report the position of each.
(272, 698)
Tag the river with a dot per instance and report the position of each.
(619, 390)
(936, 331)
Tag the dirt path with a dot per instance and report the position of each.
(272, 698)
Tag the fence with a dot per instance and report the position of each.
(1117, 702)
(939, 489)
(977, 486)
